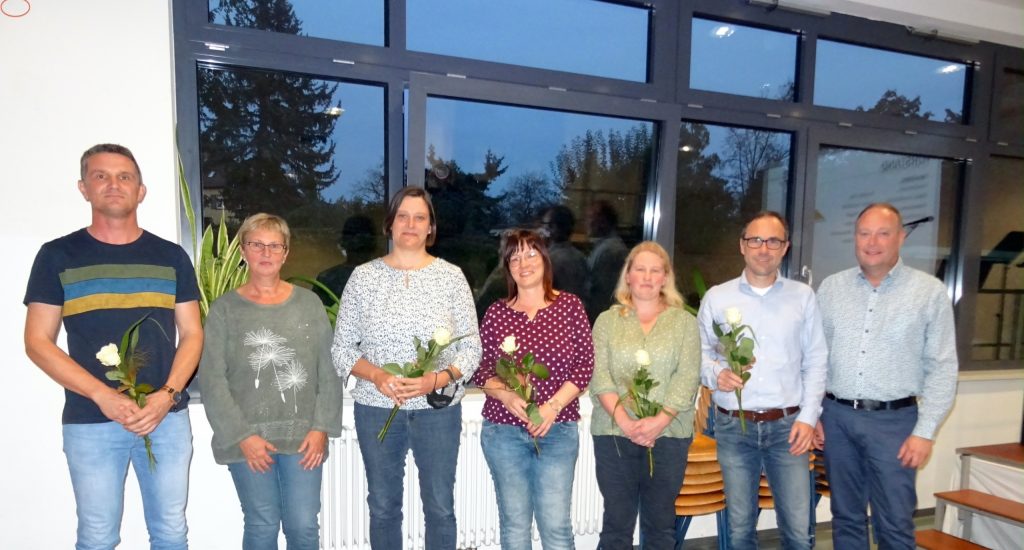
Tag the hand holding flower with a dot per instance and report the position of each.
(407, 381)
(408, 388)
(518, 376)
(548, 416)
(738, 351)
(124, 362)
(647, 430)
(637, 400)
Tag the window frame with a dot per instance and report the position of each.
(666, 98)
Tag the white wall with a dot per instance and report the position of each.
(75, 73)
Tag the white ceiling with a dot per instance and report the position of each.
(998, 21)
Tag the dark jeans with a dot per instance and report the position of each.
(860, 459)
(627, 487)
(433, 437)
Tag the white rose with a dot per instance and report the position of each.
(442, 337)
(508, 345)
(642, 358)
(108, 355)
(733, 316)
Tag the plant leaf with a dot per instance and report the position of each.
(533, 411)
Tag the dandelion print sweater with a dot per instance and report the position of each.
(267, 370)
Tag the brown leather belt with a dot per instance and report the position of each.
(767, 415)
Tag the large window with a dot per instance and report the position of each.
(563, 114)
(922, 188)
(890, 83)
(584, 178)
(724, 176)
(359, 21)
(999, 311)
(742, 60)
(579, 36)
(308, 149)
(1008, 114)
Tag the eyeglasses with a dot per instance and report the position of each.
(755, 242)
(274, 248)
(515, 260)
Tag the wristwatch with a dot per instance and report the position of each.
(175, 394)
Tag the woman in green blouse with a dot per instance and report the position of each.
(649, 317)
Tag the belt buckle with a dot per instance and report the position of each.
(856, 402)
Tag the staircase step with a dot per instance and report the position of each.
(984, 503)
(932, 539)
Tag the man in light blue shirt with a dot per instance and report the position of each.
(891, 380)
(782, 398)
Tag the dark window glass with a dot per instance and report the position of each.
(308, 149)
(741, 60)
(922, 188)
(896, 84)
(1008, 115)
(725, 175)
(490, 167)
(360, 21)
(999, 311)
(579, 36)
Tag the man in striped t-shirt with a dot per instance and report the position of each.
(97, 282)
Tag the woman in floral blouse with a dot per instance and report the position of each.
(532, 462)
(650, 317)
(386, 303)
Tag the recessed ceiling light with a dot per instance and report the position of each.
(723, 31)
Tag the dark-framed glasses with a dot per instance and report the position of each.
(756, 242)
(274, 248)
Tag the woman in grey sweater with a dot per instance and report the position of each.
(270, 392)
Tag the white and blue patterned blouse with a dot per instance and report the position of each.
(383, 308)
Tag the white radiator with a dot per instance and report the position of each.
(345, 520)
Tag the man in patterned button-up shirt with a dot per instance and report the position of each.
(891, 380)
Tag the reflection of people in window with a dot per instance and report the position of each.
(568, 264)
(357, 243)
(606, 258)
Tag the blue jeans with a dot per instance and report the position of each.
(98, 456)
(433, 436)
(624, 478)
(531, 486)
(743, 456)
(286, 496)
(860, 460)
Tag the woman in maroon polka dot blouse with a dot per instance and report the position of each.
(553, 326)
